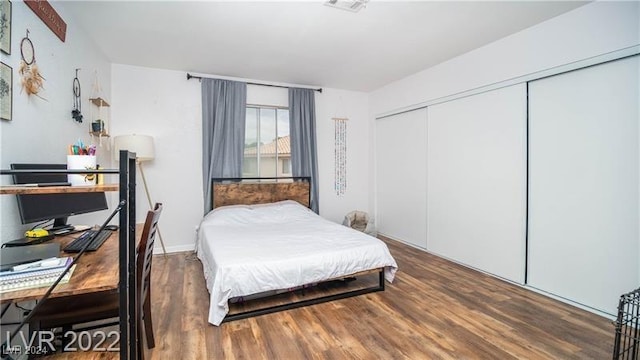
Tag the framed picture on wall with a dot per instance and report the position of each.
(6, 91)
(5, 26)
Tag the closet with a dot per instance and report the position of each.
(537, 182)
(401, 176)
(583, 184)
(476, 166)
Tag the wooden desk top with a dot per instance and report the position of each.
(95, 272)
(13, 189)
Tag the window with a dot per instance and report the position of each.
(267, 148)
(286, 166)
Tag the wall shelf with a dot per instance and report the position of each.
(99, 102)
(99, 119)
(99, 133)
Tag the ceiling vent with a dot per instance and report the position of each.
(349, 5)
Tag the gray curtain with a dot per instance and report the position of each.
(302, 127)
(224, 105)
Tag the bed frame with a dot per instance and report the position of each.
(249, 191)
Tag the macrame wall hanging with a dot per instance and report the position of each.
(340, 171)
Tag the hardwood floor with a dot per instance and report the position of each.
(435, 309)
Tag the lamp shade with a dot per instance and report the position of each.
(142, 145)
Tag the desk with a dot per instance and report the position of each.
(84, 280)
(96, 271)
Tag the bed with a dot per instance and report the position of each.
(279, 244)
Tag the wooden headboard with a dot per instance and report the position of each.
(260, 191)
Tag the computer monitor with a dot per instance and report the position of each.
(41, 207)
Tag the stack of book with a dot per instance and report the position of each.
(37, 274)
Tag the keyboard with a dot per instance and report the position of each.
(77, 244)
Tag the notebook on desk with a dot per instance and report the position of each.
(12, 256)
(33, 279)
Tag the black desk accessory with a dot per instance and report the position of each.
(25, 241)
(12, 256)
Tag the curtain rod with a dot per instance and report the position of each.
(189, 77)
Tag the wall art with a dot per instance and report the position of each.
(6, 91)
(5, 26)
(340, 152)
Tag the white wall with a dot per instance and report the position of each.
(593, 29)
(41, 130)
(354, 106)
(163, 104)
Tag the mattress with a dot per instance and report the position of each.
(250, 249)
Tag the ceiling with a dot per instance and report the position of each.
(302, 42)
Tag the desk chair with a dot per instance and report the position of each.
(65, 312)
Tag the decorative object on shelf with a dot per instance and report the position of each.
(5, 26)
(97, 126)
(76, 113)
(32, 81)
(49, 17)
(142, 146)
(340, 153)
(6, 91)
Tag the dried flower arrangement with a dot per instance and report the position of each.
(32, 80)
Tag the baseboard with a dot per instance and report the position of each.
(571, 302)
(173, 249)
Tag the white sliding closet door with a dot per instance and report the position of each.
(476, 181)
(584, 185)
(401, 156)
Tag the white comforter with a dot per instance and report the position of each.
(251, 249)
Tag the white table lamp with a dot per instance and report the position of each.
(142, 145)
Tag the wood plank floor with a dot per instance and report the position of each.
(435, 309)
